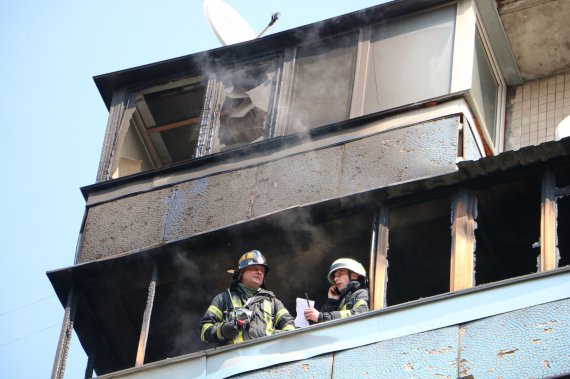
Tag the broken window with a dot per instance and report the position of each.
(189, 118)
(508, 229)
(172, 119)
(322, 84)
(419, 250)
(163, 127)
(410, 60)
(246, 105)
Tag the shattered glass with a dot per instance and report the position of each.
(246, 106)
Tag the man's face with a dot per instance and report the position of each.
(342, 277)
(252, 276)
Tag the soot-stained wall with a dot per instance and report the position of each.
(299, 247)
(185, 209)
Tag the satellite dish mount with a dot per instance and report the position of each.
(228, 25)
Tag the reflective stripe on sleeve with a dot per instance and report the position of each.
(219, 332)
(203, 333)
(216, 311)
(288, 327)
(359, 303)
(279, 315)
(344, 314)
(239, 337)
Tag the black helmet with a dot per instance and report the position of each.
(251, 258)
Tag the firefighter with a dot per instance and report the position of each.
(247, 309)
(348, 294)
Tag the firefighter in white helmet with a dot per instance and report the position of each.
(348, 294)
(247, 309)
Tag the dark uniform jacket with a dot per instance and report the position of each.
(268, 316)
(353, 300)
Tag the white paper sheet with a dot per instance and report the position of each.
(300, 320)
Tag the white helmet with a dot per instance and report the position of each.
(347, 263)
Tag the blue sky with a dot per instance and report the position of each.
(53, 121)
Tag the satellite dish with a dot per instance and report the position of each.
(563, 129)
(227, 23)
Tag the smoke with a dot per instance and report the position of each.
(183, 296)
(302, 248)
(322, 84)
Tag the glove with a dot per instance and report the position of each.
(229, 330)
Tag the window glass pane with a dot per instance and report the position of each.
(485, 88)
(410, 60)
(508, 224)
(419, 251)
(322, 84)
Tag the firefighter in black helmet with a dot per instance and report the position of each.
(247, 309)
(348, 294)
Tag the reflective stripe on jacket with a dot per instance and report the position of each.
(352, 302)
(268, 316)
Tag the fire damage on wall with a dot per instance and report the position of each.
(112, 294)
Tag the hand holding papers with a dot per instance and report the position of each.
(302, 304)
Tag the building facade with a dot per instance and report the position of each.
(415, 136)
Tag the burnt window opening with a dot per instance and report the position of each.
(562, 177)
(322, 83)
(299, 247)
(508, 224)
(562, 228)
(246, 105)
(176, 115)
(562, 189)
(419, 250)
(163, 127)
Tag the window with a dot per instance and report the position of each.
(322, 84)
(245, 105)
(410, 60)
(172, 120)
(419, 250)
(163, 128)
(485, 91)
(508, 225)
(189, 118)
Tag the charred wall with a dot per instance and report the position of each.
(185, 209)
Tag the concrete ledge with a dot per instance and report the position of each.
(398, 321)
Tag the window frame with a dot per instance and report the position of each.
(496, 145)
